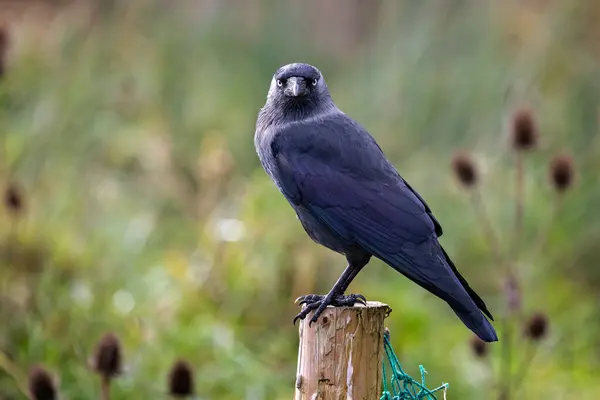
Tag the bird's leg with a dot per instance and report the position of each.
(314, 298)
(335, 297)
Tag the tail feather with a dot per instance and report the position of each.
(478, 323)
(474, 296)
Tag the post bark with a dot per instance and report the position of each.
(340, 356)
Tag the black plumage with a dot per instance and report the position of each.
(350, 199)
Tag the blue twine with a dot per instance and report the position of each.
(402, 386)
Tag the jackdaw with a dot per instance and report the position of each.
(351, 199)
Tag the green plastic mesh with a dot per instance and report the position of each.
(400, 385)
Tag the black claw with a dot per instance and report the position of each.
(315, 317)
(301, 315)
(356, 298)
(307, 308)
(308, 299)
(350, 300)
(304, 301)
(310, 302)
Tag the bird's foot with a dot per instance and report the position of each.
(319, 302)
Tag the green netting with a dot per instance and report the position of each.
(401, 385)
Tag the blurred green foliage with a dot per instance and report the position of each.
(146, 212)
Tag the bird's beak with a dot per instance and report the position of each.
(296, 87)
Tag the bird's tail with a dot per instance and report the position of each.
(476, 322)
(474, 314)
(428, 265)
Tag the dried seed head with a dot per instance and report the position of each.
(108, 358)
(537, 326)
(524, 132)
(465, 169)
(181, 379)
(13, 199)
(562, 172)
(479, 347)
(41, 384)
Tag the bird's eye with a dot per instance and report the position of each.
(279, 82)
(314, 82)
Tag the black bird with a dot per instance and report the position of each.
(350, 198)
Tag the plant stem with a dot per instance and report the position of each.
(489, 232)
(542, 239)
(519, 200)
(105, 387)
(505, 376)
(512, 285)
(529, 356)
(10, 369)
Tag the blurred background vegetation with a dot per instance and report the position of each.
(134, 201)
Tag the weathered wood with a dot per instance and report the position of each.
(340, 356)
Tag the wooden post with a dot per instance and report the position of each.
(340, 356)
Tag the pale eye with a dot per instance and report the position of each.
(279, 83)
(314, 82)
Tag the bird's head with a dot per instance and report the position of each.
(297, 91)
(297, 84)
